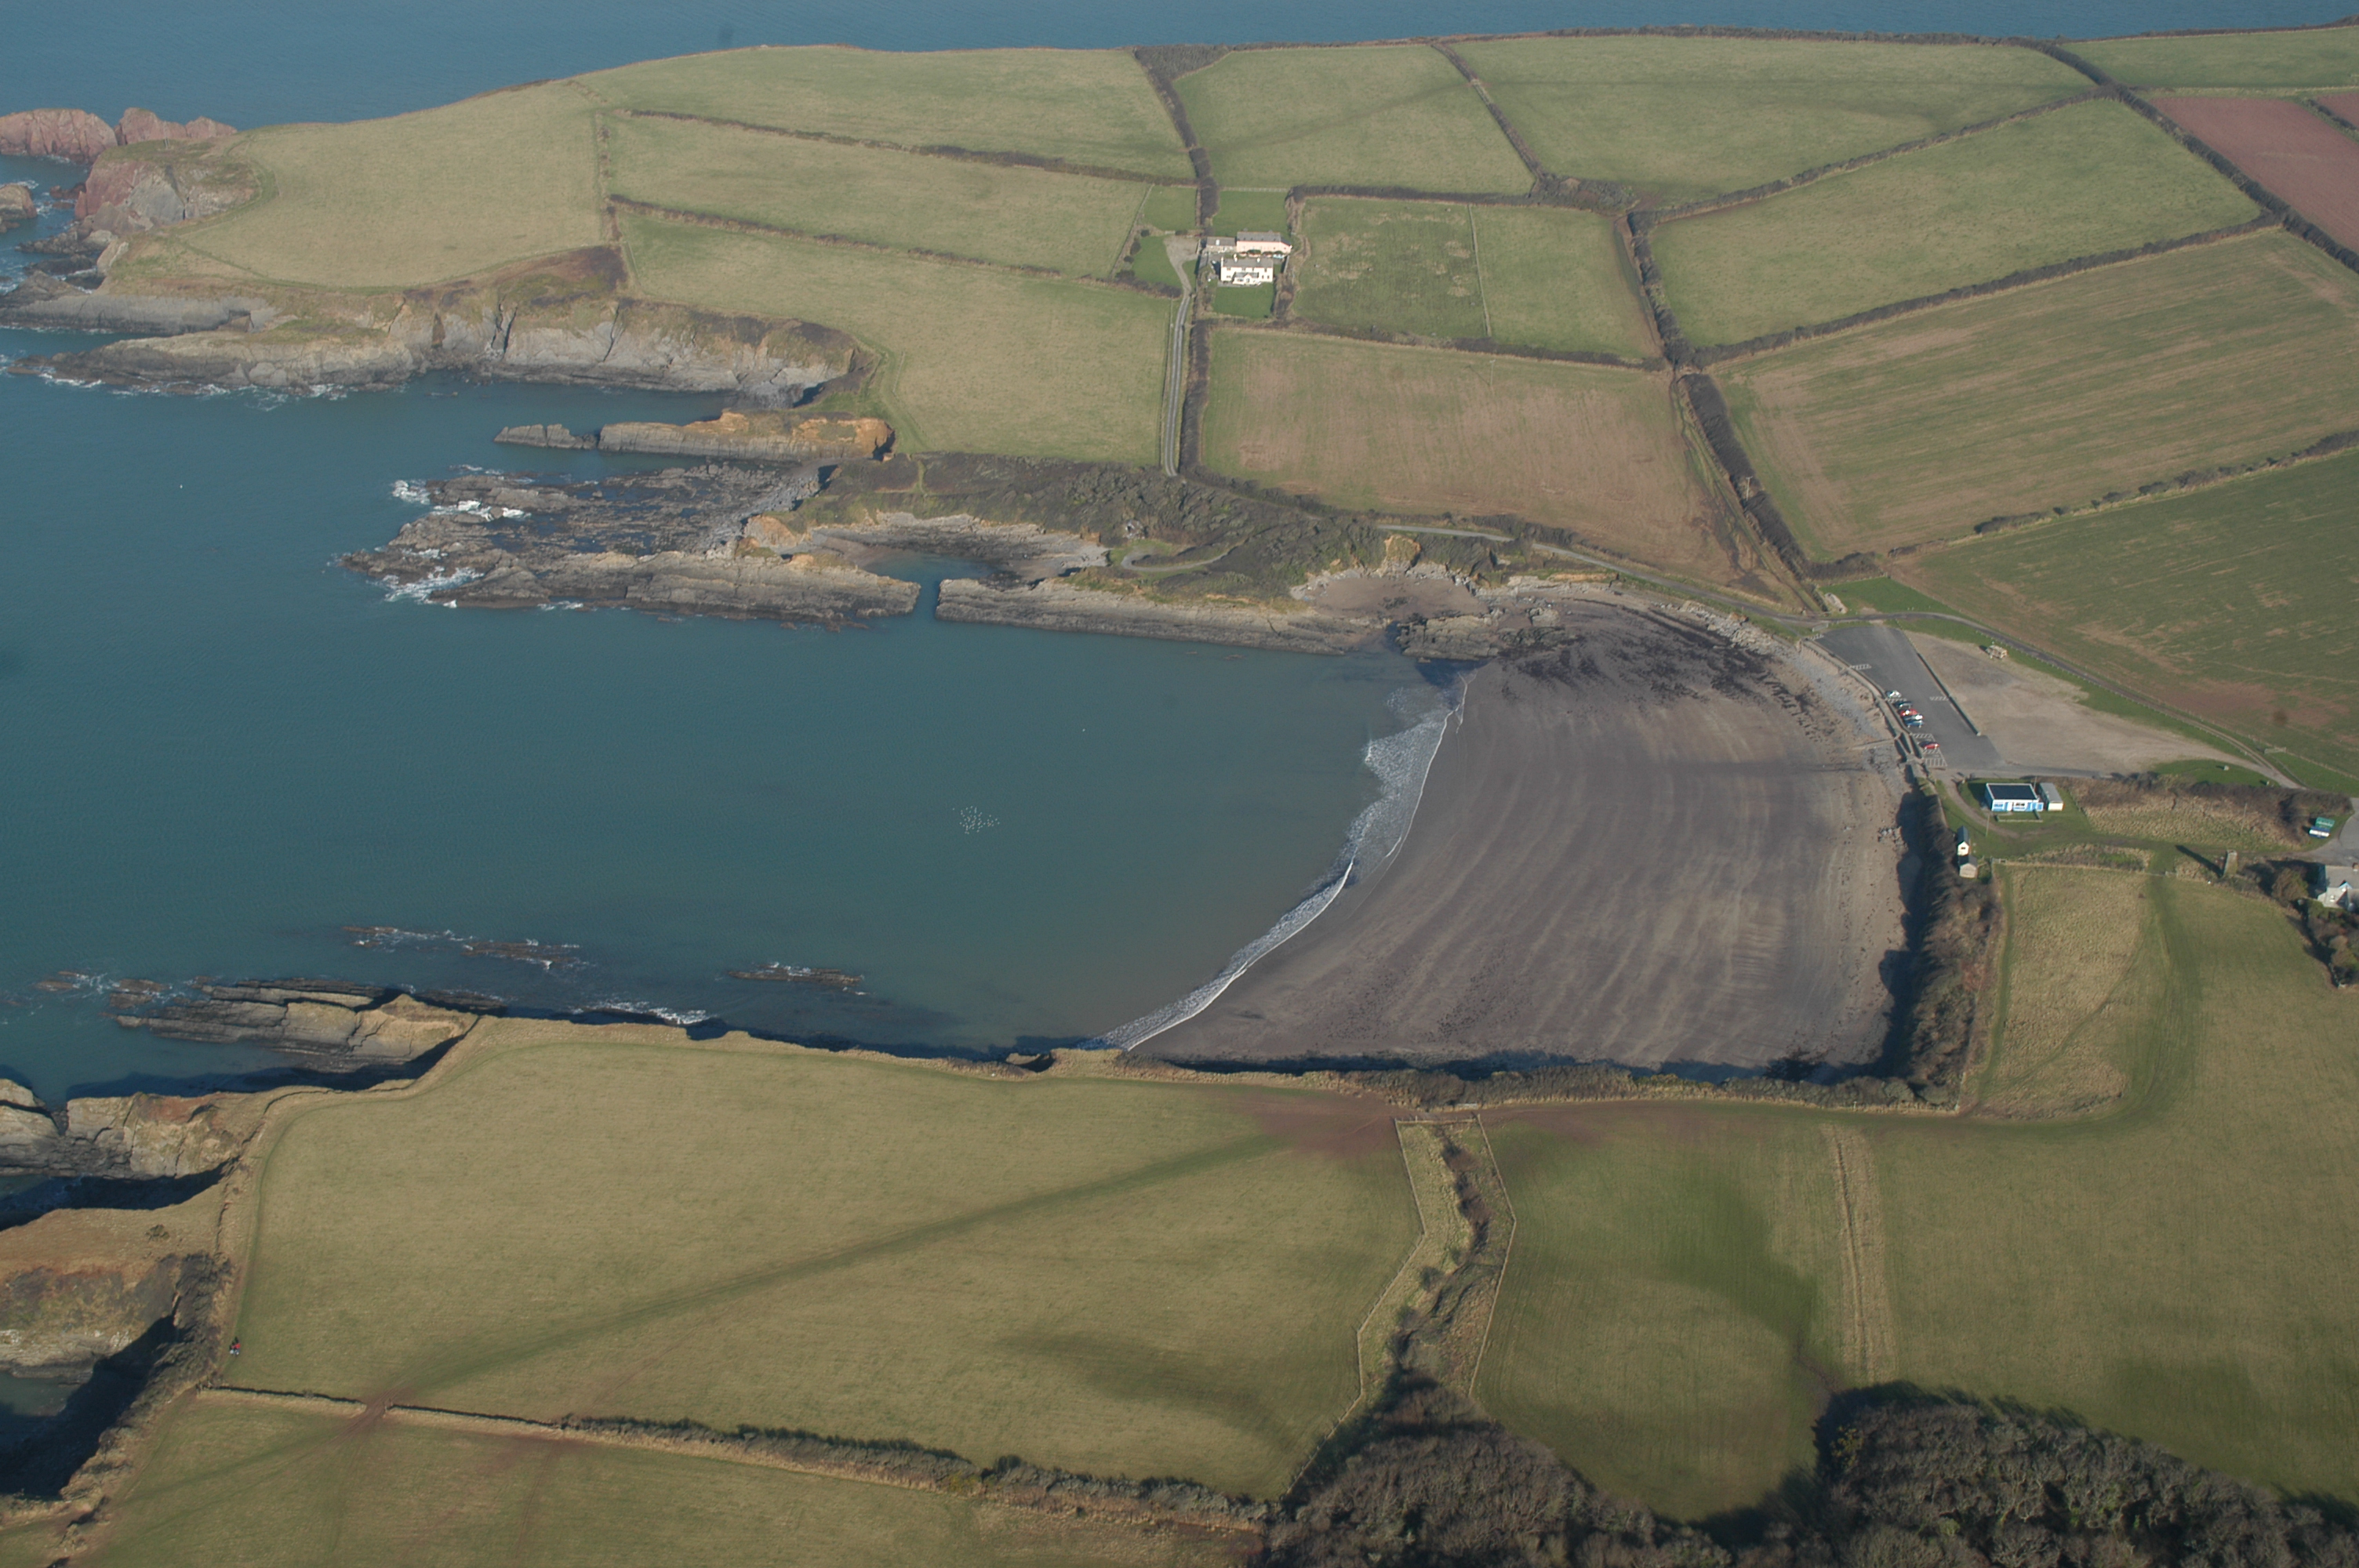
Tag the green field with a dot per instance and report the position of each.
(2083, 181)
(1171, 206)
(1686, 1279)
(1093, 107)
(1254, 302)
(1394, 115)
(1545, 277)
(2310, 58)
(2053, 395)
(1406, 266)
(2232, 603)
(975, 360)
(1125, 1278)
(240, 1482)
(1683, 118)
(417, 198)
(1585, 447)
(1239, 209)
(1023, 217)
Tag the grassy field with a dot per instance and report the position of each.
(1093, 107)
(1396, 115)
(2311, 58)
(418, 198)
(1115, 1277)
(1171, 206)
(975, 360)
(2085, 179)
(1683, 118)
(2089, 385)
(1686, 1279)
(1545, 277)
(2077, 998)
(1025, 217)
(1580, 447)
(1264, 210)
(235, 1481)
(2232, 603)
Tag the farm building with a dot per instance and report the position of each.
(1244, 272)
(2018, 797)
(1261, 242)
(2334, 886)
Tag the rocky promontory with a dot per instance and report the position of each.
(126, 1137)
(775, 436)
(77, 136)
(705, 541)
(1056, 606)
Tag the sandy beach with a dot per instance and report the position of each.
(1652, 846)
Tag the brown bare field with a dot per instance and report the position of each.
(2053, 395)
(2286, 147)
(2345, 104)
(1589, 448)
(2068, 1007)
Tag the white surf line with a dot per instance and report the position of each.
(1139, 1031)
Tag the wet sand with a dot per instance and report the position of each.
(1654, 847)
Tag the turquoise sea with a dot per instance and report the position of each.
(222, 751)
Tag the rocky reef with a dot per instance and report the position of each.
(324, 1024)
(1063, 607)
(704, 541)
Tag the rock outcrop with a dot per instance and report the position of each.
(763, 437)
(124, 1138)
(702, 541)
(129, 193)
(58, 1322)
(323, 1023)
(1063, 607)
(16, 206)
(76, 136)
(141, 125)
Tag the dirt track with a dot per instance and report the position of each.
(1652, 846)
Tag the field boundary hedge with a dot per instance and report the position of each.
(1506, 127)
(2193, 479)
(1459, 345)
(1157, 61)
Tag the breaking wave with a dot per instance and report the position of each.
(1401, 761)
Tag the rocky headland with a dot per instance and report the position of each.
(710, 540)
(774, 436)
(77, 136)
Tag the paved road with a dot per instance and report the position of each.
(1884, 658)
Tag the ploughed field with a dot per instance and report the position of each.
(2295, 153)
(1648, 846)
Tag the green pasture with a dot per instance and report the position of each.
(2054, 395)
(1589, 448)
(1543, 275)
(1406, 266)
(1171, 206)
(2232, 603)
(1555, 278)
(2308, 57)
(1259, 210)
(1025, 217)
(1093, 107)
(1115, 1277)
(973, 360)
(417, 198)
(2083, 181)
(1252, 302)
(1678, 119)
(246, 1482)
(1687, 1281)
(1396, 115)
(1151, 263)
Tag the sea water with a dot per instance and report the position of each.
(227, 756)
